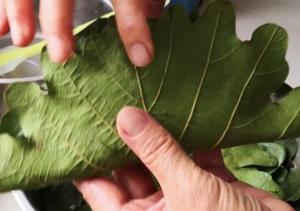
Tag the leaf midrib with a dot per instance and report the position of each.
(244, 87)
(84, 98)
(192, 111)
(140, 87)
(170, 48)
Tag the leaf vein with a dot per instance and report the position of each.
(164, 73)
(245, 86)
(225, 56)
(272, 71)
(84, 98)
(289, 123)
(245, 124)
(83, 158)
(192, 111)
(140, 88)
(124, 90)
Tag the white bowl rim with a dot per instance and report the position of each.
(23, 79)
(22, 201)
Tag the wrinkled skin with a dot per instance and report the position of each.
(184, 185)
(56, 19)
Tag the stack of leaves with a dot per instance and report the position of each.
(207, 87)
(272, 167)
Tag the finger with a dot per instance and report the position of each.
(153, 8)
(153, 145)
(98, 192)
(4, 28)
(155, 197)
(136, 180)
(134, 31)
(147, 203)
(20, 15)
(56, 18)
(160, 205)
(267, 199)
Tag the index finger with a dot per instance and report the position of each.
(102, 194)
(57, 23)
(131, 16)
(4, 28)
(20, 15)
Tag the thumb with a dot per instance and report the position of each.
(153, 145)
(185, 186)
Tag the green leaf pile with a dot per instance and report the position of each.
(207, 87)
(268, 166)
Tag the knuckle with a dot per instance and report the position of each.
(130, 25)
(157, 147)
(58, 22)
(215, 193)
(129, 18)
(17, 19)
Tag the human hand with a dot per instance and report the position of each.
(184, 185)
(56, 17)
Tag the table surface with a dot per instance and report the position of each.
(250, 14)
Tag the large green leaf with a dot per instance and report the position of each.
(205, 86)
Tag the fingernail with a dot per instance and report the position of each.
(132, 121)
(59, 49)
(139, 55)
